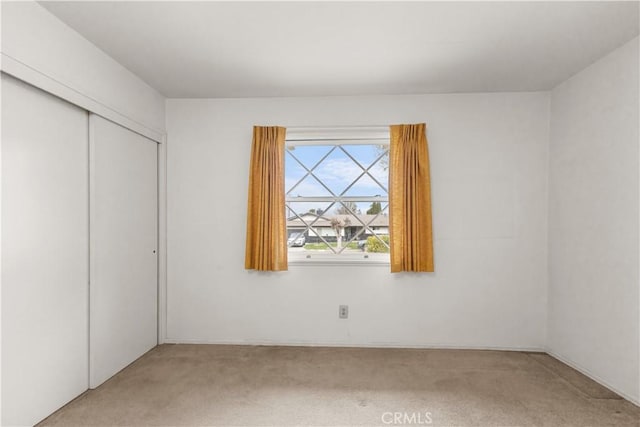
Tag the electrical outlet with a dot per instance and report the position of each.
(343, 312)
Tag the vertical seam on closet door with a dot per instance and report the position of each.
(91, 252)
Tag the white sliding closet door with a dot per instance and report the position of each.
(123, 250)
(45, 253)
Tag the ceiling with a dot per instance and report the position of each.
(247, 49)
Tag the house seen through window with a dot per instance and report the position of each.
(337, 199)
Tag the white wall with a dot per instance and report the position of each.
(33, 37)
(593, 221)
(489, 177)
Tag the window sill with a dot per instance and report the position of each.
(338, 260)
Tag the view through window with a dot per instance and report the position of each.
(337, 199)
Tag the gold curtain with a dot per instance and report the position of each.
(266, 248)
(410, 200)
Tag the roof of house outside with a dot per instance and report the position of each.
(382, 220)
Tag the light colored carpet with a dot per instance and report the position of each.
(214, 385)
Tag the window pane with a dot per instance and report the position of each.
(338, 171)
(317, 179)
(366, 186)
(309, 155)
(307, 186)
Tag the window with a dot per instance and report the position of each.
(336, 192)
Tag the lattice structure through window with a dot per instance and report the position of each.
(337, 198)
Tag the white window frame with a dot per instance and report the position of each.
(352, 135)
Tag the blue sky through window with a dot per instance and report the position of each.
(337, 171)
